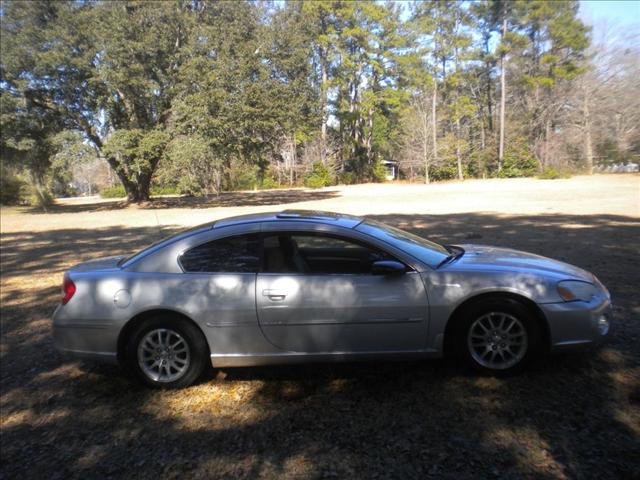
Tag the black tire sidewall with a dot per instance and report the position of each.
(503, 305)
(197, 346)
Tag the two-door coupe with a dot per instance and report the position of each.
(302, 286)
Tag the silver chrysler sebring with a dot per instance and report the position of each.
(308, 286)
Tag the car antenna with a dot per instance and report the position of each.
(155, 212)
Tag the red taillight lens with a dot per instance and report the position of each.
(68, 289)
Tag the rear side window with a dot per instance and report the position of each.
(239, 254)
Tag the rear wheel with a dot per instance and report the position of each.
(165, 352)
(498, 336)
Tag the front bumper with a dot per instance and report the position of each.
(575, 325)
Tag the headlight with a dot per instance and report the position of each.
(600, 285)
(575, 290)
(603, 324)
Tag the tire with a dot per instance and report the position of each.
(167, 352)
(497, 336)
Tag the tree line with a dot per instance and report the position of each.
(204, 96)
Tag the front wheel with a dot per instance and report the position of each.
(498, 336)
(165, 352)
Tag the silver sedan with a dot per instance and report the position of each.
(303, 286)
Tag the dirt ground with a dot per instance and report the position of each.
(571, 416)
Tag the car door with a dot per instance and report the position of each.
(218, 287)
(315, 293)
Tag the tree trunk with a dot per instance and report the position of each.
(547, 133)
(458, 152)
(139, 192)
(369, 141)
(434, 121)
(483, 145)
(136, 191)
(588, 146)
(425, 152)
(40, 191)
(489, 106)
(292, 159)
(323, 104)
(503, 90)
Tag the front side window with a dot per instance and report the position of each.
(238, 254)
(318, 254)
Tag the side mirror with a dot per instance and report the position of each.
(387, 267)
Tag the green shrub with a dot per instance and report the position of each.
(40, 198)
(269, 182)
(188, 187)
(158, 190)
(318, 177)
(242, 176)
(481, 162)
(445, 172)
(553, 174)
(313, 181)
(518, 161)
(347, 178)
(13, 190)
(379, 172)
(116, 191)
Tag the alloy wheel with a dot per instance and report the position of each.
(497, 340)
(163, 355)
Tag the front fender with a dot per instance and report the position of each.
(448, 290)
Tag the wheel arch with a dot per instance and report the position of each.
(458, 314)
(141, 317)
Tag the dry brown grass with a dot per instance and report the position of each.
(567, 417)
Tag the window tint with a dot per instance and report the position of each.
(317, 241)
(239, 254)
(318, 254)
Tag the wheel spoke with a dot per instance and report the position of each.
(480, 324)
(163, 355)
(497, 340)
(508, 328)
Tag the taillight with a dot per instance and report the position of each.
(68, 289)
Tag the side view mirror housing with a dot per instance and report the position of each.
(387, 267)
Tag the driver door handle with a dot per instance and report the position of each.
(275, 295)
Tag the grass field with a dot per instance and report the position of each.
(573, 416)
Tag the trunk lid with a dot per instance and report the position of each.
(98, 264)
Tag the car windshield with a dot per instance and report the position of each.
(431, 253)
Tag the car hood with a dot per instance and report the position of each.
(483, 257)
(105, 263)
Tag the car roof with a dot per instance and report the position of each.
(313, 216)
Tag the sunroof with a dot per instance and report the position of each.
(308, 214)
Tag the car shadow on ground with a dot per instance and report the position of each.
(575, 416)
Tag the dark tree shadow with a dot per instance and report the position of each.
(573, 416)
(227, 199)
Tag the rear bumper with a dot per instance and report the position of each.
(85, 339)
(575, 325)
